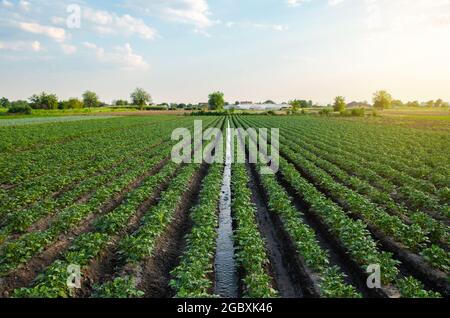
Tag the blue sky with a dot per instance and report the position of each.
(181, 50)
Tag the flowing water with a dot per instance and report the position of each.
(225, 266)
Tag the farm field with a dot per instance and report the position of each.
(103, 197)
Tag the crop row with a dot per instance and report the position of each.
(88, 246)
(378, 153)
(16, 252)
(378, 194)
(353, 234)
(23, 138)
(411, 236)
(332, 280)
(53, 180)
(20, 221)
(192, 277)
(436, 229)
(140, 245)
(416, 152)
(251, 253)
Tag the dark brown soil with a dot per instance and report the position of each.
(24, 275)
(433, 279)
(104, 267)
(155, 272)
(339, 255)
(286, 275)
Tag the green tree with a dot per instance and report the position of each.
(413, 104)
(44, 101)
(298, 104)
(397, 103)
(382, 100)
(216, 101)
(140, 98)
(74, 103)
(430, 104)
(4, 103)
(339, 104)
(90, 99)
(121, 102)
(439, 103)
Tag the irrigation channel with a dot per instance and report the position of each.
(225, 266)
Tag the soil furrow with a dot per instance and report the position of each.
(24, 275)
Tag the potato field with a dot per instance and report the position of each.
(102, 199)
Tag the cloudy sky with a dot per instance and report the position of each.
(181, 50)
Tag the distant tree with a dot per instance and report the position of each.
(20, 107)
(75, 103)
(269, 102)
(121, 102)
(382, 100)
(298, 104)
(141, 98)
(397, 103)
(237, 103)
(90, 99)
(430, 104)
(439, 103)
(412, 104)
(182, 106)
(4, 103)
(72, 103)
(339, 104)
(44, 101)
(310, 104)
(216, 101)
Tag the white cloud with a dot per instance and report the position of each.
(24, 5)
(105, 22)
(296, 3)
(122, 56)
(57, 34)
(34, 46)
(260, 26)
(193, 12)
(7, 4)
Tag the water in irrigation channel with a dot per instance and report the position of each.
(225, 266)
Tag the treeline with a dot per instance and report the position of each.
(139, 99)
(50, 101)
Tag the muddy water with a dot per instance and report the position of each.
(226, 284)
